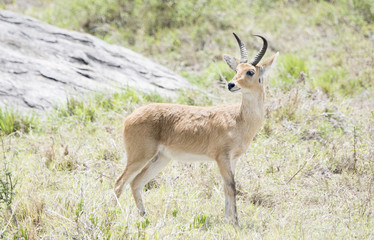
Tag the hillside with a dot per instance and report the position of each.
(309, 173)
(42, 66)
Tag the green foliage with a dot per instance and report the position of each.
(24, 235)
(364, 8)
(83, 109)
(194, 97)
(150, 16)
(87, 110)
(79, 209)
(160, 28)
(219, 71)
(290, 68)
(12, 121)
(154, 97)
(199, 221)
(7, 185)
(327, 79)
(117, 101)
(144, 224)
(338, 80)
(175, 212)
(141, 226)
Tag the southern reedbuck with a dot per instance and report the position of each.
(157, 133)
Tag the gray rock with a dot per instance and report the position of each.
(42, 65)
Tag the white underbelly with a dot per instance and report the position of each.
(182, 156)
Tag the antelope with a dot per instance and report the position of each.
(159, 132)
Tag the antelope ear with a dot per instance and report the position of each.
(268, 63)
(232, 62)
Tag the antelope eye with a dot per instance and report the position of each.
(250, 73)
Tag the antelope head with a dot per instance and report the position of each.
(249, 76)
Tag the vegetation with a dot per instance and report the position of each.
(309, 173)
(14, 122)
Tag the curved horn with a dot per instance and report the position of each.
(261, 53)
(243, 51)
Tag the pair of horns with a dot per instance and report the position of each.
(243, 51)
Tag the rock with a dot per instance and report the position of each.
(42, 65)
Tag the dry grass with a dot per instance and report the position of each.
(308, 174)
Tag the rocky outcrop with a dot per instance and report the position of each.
(42, 65)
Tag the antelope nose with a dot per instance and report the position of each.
(231, 85)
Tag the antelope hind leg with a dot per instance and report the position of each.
(153, 167)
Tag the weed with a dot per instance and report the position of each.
(79, 209)
(141, 226)
(199, 221)
(24, 235)
(7, 188)
(12, 121)
(175, 212)
(7, 185)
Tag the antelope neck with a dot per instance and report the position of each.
(252, 106)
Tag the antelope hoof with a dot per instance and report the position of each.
(143, 213)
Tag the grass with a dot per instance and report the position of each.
(308, 174)
(15, 122)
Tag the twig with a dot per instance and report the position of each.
(296, 173)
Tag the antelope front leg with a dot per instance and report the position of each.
(227, 174)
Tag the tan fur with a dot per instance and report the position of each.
(155, 133)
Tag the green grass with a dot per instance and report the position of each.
(290, 68)
(190, 37)
(305, 173)
(15, 122)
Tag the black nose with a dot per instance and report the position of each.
(231, 85)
